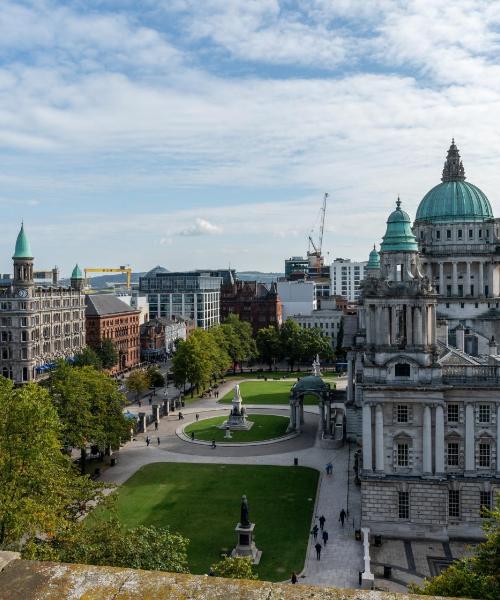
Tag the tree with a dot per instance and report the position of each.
(108, 353)
(108, 542)
(194, 361)
(477, 576)
(314, 343)
(234, 567)
(292, 342)
(240, 344)
(155, 377)
(268, 345)
(138, 382)
(87, 357)
(39, 489)
(90, 407)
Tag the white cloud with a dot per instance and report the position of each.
(200, 227)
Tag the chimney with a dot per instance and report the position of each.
(493, 347)
(460, 335)
(55, 275)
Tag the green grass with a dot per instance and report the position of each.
(265, 427)
(266, 392)
(202, 501)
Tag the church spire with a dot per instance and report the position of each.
(453, 168)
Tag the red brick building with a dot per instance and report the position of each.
(107, 317)
(254, 302)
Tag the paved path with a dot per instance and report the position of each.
(342, 558)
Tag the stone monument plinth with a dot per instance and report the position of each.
(237, 417)
(245, 531)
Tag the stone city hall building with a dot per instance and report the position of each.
(430, 411)
(38, 324)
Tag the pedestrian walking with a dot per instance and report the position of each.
(329, 469)
(322, 522)
(156, 425)
(293, 578)
(139, 402)
(343, 516)
(213, 444)
(197, 416)
(318, 551)
(192, 435)
(148, 441)
(158, 440)
(325, 537)
(314, 531)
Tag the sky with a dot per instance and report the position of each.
(204, 133)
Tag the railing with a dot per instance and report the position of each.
(479, 375)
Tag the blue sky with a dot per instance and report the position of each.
(204, 133)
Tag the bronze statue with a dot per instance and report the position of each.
(244, 519)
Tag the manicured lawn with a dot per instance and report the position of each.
(265, 427)
(265, 392)
(202, 501)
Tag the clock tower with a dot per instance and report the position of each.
(23, 266)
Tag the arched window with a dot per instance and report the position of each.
(402, 370)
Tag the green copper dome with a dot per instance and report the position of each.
(374, 259)
(77, 273)
(399, 236)
(454, 199)
(23, 248)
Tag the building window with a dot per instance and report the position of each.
(453, 503)
(484, 413)
(471, 234)
(452, 413)
(448, 234)
(402, 370)
(484, 455)
(438, 235)
(402, 413)
(484, 504)
(403, 455)
(452, 454)
(404, 505)
(480, 233)
(459, 234)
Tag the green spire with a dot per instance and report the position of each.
(77, 273)
(374, 259)
(399, 236)
(23, 248)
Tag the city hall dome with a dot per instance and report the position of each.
(454, 199)
(398, 236)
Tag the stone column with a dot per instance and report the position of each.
(386, 333)
(425, 325)
(141, 423)
(394, 316)
(442, 286)
(379, 438)
(329, 418)
(165, 407)
(489, 279)
(433, 325)
(439, 447)
(467, 280)
(297, 417)
(417, 327)
(429, 271)
(155, 411)
(367, 438)
(454, 279)
(480, 290)
(409, 326)
(427, 442)
(469, 438)
(378, 325)
(349, 379)
(498, 440)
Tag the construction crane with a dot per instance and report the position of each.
(318, 248)
(122, 269)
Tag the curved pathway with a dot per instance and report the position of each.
(342, 557)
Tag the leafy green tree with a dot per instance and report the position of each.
(292, 342)
(87, 358)
(107, 542)
(155, 377)
(138, 382)
(90, 407)
(39, 488)
(240, 344)
(268, 345)
(314, 343)
(108, 353)
(477, 576)
(234, 567)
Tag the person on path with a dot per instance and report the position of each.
(139, 402)
(192, 435)
(329, 467)
(315, 532)
(342, 516)
(322, 522)
(318, 551)
(325, 537)
(156, 425)
(293, 578)
(213, 444)
(148, 441)
(158, 440)
(197, 416)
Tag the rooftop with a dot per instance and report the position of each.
(98, 305)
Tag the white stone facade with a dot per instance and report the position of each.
(327, 321)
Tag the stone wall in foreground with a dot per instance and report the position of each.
(33, 580)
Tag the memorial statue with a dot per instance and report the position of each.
(244, 519)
